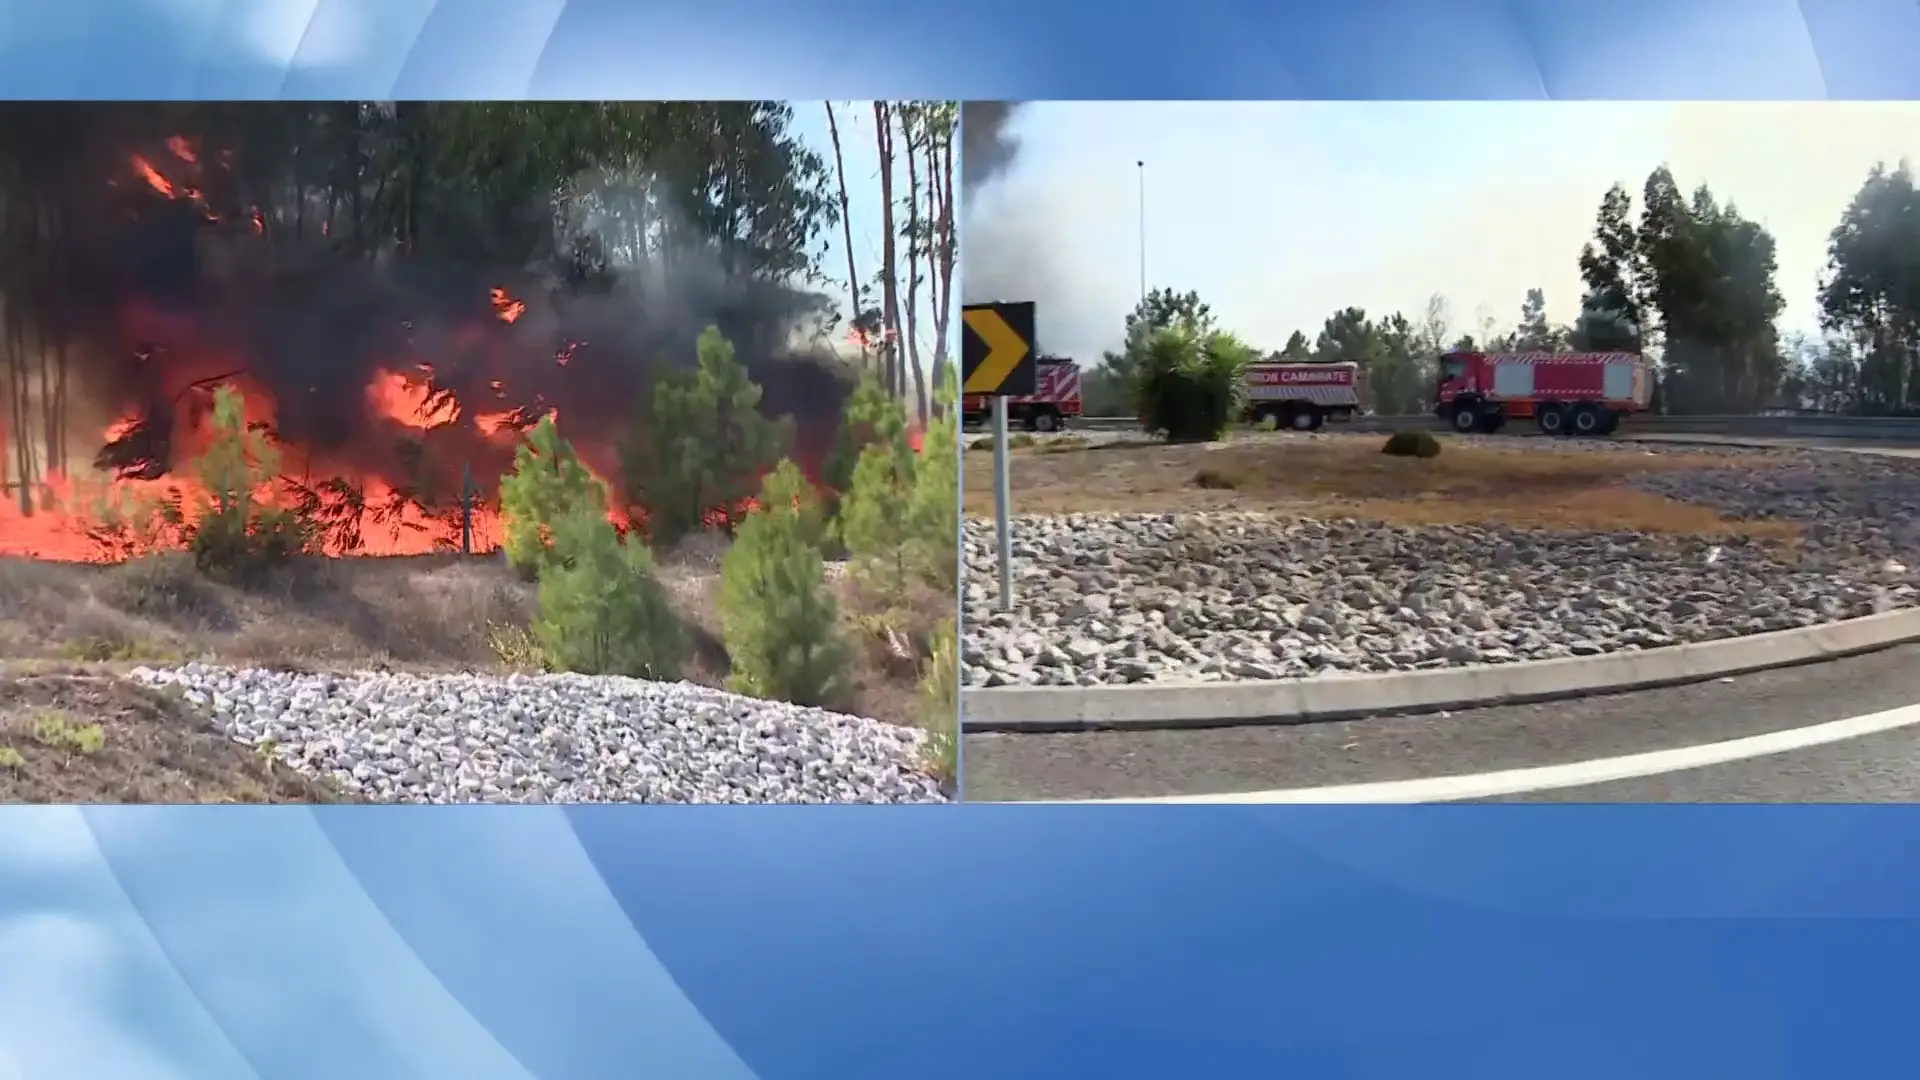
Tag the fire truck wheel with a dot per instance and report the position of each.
(1551, 419)
(1044, 421)
(1467, 418)
(1305, 419)
(1589, 420)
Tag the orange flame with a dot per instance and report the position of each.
(106, 517)
(183, 150)
(506, 307)
(152, 176)
(408, 402)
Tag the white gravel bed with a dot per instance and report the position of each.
(1106, 599)
(396, 737)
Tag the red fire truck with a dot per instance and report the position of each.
(1302, 396)
(1055, 399)
(1564, 393)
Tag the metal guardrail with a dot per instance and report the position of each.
(1839, 428)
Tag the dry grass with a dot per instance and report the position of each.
(65, 629)
(1524, 484)
(74, 734)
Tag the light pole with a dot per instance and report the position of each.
(1142, 166)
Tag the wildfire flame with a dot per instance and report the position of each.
(155, 179)
(508, 308)
(152, 176)
(390, 499)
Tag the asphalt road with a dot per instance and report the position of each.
(1882, 767)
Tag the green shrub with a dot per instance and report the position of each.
(1190, 386)
(603, 610)
(780, 624)
(548, 483)
(940, 706)
(1419, 444)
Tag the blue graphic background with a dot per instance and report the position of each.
(998, 941)
(1002, 942)
(1360, 49)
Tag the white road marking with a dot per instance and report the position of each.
(1573, 774)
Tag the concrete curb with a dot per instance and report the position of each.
(1172, 706)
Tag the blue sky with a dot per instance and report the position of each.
(1279, 213)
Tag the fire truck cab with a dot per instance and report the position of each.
(1563, 393)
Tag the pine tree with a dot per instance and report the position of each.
(874, 516)
(603, 610)
(933, 512)
(548, 483)
(236, 533)
(779, 621)
(872, 416)
(700, 446)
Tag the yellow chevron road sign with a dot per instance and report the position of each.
(996, 351)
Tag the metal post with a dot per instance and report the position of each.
(466, 509)
(1002, 502)
(1143, 228)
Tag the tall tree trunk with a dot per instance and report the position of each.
(889, 262)
(940, 213)
(914, 129)
(846, 232)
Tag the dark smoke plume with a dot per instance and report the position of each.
(987, 147)
(1008, 250)
(1017, 247)
(156, 301)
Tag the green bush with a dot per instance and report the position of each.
(1190, 386)
(1419, 444)
(780, 624)
(548, 483)
(700, 445)
(603, 610)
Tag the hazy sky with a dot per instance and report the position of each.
(1279, 213)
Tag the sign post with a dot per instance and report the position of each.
(996, 359)
(1002, 502)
